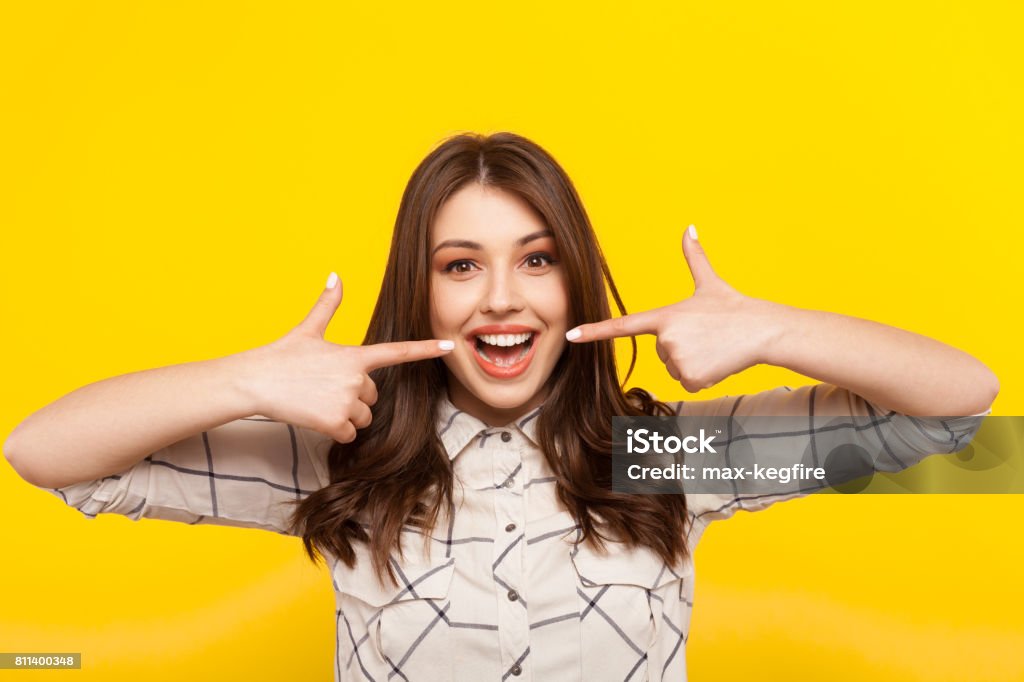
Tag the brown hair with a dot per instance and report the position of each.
(378, 481)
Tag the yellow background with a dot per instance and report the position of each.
(178, 178)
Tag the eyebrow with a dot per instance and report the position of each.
(466, 244)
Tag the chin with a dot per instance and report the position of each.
(472, 383)
(505, 397)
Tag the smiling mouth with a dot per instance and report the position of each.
(504, 356)
(504, 350)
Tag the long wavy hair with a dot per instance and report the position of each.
(396, 472)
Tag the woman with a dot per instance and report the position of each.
(459, 486)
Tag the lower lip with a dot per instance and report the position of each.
(505, 372)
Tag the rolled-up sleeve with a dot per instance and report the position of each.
(900, 440)
(246, 473)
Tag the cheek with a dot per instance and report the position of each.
(552, 304)
(450, 307)
(437, 320)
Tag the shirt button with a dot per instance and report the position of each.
(506, 436)
(510, 482)
(513, 595)
(517, 669)
(510, 527)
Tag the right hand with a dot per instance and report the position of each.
(303, 380)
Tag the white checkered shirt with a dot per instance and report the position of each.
(501, 591)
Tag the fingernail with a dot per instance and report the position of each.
(573, 334)
(446, 345)
(693, 232)
(332, 280)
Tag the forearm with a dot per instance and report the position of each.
(897, 369)
(110, 425)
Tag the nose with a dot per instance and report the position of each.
(501, 295)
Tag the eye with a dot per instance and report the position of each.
(539, 260)
(459, 266)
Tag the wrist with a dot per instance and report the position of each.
(239, 374)
(776, 323)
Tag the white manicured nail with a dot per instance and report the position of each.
(446, 345)
(693, 232)
(332, 280)
(573, 334)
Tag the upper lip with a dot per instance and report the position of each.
(500, 329)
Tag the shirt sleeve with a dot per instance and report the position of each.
(906, 440)
(246, 473)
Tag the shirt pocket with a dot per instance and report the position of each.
(407, 624)
(622, 596)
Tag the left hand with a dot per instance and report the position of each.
(703, 339)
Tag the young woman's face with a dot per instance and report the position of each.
(499, 292)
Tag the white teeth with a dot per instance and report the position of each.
(504, 339)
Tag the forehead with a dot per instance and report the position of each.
(483, 214)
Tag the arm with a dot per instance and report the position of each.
(719, 331)
(110, 425)
(249, 472)
(300, 379)
(893, 442)
(901, 370)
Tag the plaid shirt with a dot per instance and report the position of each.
(500, 590)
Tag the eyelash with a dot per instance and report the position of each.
(547, 257)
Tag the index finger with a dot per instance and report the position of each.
(396, 352)
(627, 325)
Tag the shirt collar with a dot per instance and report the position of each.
(457, 428)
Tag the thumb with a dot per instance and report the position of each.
(700, 267)
(320, 316)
